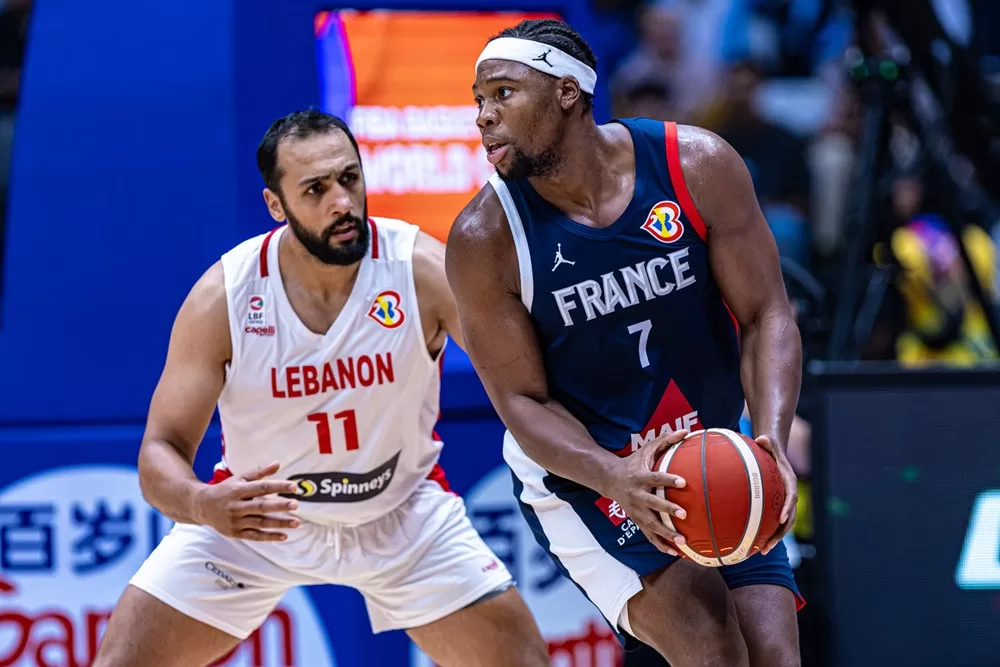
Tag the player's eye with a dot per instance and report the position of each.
(504, 92)
(315, 189)
(479, 101)
(349, 178)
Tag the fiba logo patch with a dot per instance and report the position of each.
(257, 317)
(386, 310)
(664, 222)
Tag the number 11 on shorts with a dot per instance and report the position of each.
(322, 421)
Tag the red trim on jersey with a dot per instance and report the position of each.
(220, 475)
(437, 472)
(437, 475)
(680, 186)
(371, 223)
(263, 252)
(684, 197)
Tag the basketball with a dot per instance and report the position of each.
(733, 496)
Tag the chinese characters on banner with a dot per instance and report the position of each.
(70, 539)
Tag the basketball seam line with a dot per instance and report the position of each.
(746, 472)
(708, 506)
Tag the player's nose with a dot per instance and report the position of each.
(487, 117)
(339, 201)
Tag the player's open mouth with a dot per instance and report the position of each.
(344, 233)
(495, 151)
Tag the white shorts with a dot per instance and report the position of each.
(415, 565)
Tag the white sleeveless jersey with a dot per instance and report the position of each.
(349, 414)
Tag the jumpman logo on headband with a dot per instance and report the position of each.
(544, 58)
(560, 259)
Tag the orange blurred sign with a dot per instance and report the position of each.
(402, 80)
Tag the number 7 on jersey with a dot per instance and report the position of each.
(642, 328)
(322, 421)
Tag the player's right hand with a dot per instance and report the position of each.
(632, 486)
(240, 506)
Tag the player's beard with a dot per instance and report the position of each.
(319, 245)
(523, 165)
(541, 163)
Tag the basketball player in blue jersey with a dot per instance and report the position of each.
(618, 287)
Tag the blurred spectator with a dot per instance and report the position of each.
(617, 34)
(647, 99)
(684, 45)
(797, 37)
(774, 157)
(656, 58)
(832, 157)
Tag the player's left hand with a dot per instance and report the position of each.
(787, 517)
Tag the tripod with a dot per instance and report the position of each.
(885, 84)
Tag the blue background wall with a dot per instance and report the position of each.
(133, 171)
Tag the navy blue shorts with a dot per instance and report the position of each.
(601, 550)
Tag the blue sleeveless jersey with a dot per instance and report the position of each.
(635, 335)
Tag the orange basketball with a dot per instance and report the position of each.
(733, 496)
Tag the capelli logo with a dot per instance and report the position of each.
(979, 564)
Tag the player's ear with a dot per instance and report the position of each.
(274, 206)
(569, 92)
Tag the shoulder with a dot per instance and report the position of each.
(391, 239)
(704, 152)
(244, 261)
(480, 243)
(203, 318)
(715, 176)
(208, 295)
(481, 232)
(428, 261)
(482, 221)
(429, 281)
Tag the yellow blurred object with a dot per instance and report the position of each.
(803, 528)
(934, 288)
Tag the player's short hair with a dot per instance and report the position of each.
(296, 125)
(560, 35)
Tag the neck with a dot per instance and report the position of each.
(299, 265)
(576, 179)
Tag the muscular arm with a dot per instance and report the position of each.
(185, 398)
(744, 261)
(438, 312)
(501, 341)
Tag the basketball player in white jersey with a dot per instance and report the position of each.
(320, 344)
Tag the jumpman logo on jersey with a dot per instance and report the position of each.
(560, 259)
(544, 58)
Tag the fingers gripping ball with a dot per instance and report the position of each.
(733, 496)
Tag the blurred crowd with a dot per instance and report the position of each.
(770, 76)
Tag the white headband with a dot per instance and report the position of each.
(542, 57)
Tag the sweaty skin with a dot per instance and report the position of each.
(483, 271)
